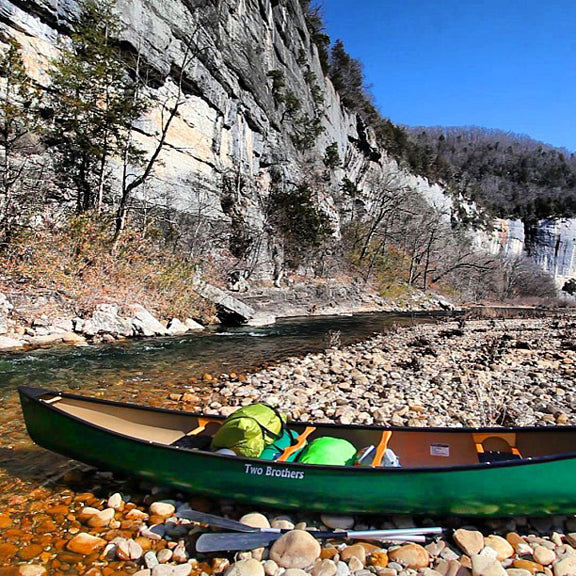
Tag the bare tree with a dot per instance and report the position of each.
(20, 175)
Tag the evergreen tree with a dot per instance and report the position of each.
(95, 104)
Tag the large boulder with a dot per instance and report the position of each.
(144, 323)
(105, 320)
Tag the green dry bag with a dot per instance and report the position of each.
(249, 430)
(327, 450)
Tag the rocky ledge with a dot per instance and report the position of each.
(107, 323)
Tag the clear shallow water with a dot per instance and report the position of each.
(167, 362)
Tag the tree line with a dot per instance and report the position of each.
(508, 174)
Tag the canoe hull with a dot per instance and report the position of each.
(532, 488)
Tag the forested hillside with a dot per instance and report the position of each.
(508, 174)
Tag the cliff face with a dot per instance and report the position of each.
(234, 135)
(549, 243)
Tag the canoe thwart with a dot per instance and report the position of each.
(386, 435)
(300, 441)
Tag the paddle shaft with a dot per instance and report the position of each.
(248, 541)
(226, 523)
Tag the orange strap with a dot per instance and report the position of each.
(382, 448)
(300, 441)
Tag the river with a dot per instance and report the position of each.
(147, 370)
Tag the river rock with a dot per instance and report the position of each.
(354, 551)
(295, 572)
(502, 547)
(378, 559)
(162, 509)
(136, 514)
(105, 320)
(176, 327)
(324, 568)
(180, 554)
(193, 325)
(164, 570)
(543, 555)
(84, 543)
(521, 547)
(102, 518)
(529, 565)
(337, 522)
(249, 567)
(256, 520)
(566, 567)
(129, 550)
(164, 555)
(150, 559)
(7, 343)
(355, 565)
(296, 549)
(410, 555)
(115, 501)
(270, 568)
(469, 541)
(32, 570)
(144, 323)
(486, 566)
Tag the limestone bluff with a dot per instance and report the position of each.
(230, 125)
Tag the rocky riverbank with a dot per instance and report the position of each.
(40, 320)
(517, 371)
(459, 373)
(106, 323)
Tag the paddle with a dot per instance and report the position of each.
(220, 541)
(219, 522)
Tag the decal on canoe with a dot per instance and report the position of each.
(269, 471)
(440, 450)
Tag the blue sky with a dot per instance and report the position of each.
(506, 64)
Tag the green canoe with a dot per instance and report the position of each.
(444, 471)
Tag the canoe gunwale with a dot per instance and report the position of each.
(34, 395)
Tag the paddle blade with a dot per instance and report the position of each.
(231, 542)
(215, 521)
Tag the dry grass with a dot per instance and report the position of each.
(77, 261)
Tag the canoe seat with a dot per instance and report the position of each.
(300, 442)
(496, 446)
